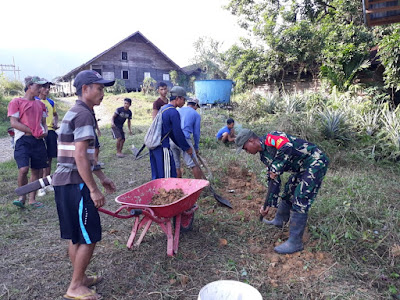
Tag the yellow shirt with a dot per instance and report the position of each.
(51, 110)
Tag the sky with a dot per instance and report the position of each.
(50, 38)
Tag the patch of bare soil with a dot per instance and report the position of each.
(247, 196)
(166, 197)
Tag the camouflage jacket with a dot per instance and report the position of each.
(285, 153)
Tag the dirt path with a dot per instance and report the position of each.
(7, 152)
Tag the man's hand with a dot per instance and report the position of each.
(130, 132)
(264, 212)
(97, 198)
(272, 175)
(108, 185)
(189, 151)
(197, 152)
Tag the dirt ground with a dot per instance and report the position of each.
(247, 196)
(7, 151)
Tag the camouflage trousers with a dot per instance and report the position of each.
(302, 188)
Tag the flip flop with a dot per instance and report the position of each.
(83, 297)
(95, 280)
(36, 205)
(121, 155)
(19, 203)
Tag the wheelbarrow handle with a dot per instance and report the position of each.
(132, 212)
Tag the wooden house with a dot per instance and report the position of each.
(381, 12)
(133, 59)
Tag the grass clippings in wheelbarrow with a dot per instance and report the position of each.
(167, 197)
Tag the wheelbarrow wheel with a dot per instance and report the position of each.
(186, 222)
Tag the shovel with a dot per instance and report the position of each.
(136, 152)
(217, 197)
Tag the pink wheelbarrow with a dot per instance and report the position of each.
(138, 203)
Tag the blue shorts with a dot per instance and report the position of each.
(79, 218)
(51, 144)
(30, 151)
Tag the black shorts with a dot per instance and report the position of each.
(51, 144)
(118, 133)
(30, 151)
(79, 218)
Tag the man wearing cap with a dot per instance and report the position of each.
(52, 125)
(282, 152)
(76, 192)
(190, 124)
(161, 158)
(28, 118)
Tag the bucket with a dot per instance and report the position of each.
(229, 290)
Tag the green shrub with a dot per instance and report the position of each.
(10, 87)
(149, 86)
(118, 87)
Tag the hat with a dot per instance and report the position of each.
(34, 79)
(178, 91)
(87, 77)
(241, 139)
(194, 101)
(46, 81)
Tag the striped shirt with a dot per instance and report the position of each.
(78, 125)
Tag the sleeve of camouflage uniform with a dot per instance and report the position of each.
(284, 148)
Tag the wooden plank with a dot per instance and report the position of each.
(372, 2)
(384, 21)
(382, 9)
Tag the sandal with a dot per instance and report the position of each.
(36, 205)
(20, 203)
(94, 280)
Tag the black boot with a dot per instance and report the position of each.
(297, 226)
(282, 214)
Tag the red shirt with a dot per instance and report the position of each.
(158, 103)
(29, 113)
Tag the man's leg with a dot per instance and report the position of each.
(118, 145)
(35, 175)
(23, 180)
(80, 255)
(122, 144)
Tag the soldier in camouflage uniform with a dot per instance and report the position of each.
(281, 152)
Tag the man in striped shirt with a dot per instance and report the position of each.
(76, 192)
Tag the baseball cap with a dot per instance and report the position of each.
(241, 139)
(194, 101)
(88, 77)
(46, 81)
(34, 79)
(178, 91)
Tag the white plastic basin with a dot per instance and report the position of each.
(229, 290)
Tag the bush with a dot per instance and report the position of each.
(10, 87)
(118, 87)
(149, 86)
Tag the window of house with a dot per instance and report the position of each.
(147, 75)
(124, 55)
(125, 74)
(165, 77)
(98, 71)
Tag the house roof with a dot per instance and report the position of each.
(74, 71)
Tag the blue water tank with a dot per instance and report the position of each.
(213, 91)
